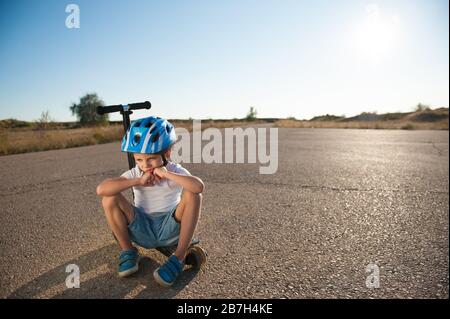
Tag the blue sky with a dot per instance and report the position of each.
(215, 59)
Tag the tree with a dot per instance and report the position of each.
(44, 122)
(251, 115)
(86, 110)
(421, 107)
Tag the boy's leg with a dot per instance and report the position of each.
(119, 213)
(188, 213)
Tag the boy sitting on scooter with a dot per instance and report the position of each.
(167, 200)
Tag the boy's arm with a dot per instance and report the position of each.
(114, 186)
(188, 182)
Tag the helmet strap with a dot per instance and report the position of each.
(164, 160)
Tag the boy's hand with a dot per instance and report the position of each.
(148, 179)
(160, 173)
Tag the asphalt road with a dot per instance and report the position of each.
(340, 200)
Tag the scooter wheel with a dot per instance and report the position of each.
(196, 257)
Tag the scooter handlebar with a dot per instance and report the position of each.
(121, 107)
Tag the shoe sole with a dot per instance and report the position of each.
(130, 271)
(159, 280)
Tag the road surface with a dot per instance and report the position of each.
(340, 201)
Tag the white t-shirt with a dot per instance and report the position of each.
(163, 196)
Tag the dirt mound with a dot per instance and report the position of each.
(428, 115)
(419, 116)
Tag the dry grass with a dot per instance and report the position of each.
(217, 124)
(29, 139)
(24, 140)
(390, 125)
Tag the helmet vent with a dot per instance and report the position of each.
(148, 124)
(136, 139)
(137, 124)
(155, 137)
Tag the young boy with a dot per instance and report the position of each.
(167, 200)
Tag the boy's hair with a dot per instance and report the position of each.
(163, 154)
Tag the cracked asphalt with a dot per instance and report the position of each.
(340, 200)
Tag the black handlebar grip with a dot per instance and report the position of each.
(117, 108)
(143, 105)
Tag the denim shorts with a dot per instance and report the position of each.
(155, 230)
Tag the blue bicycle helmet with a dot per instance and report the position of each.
(150, 135)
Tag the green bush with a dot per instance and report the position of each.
(251, 115)
(86, 110)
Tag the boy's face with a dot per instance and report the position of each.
(147, 162)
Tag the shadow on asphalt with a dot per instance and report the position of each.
(99, 279)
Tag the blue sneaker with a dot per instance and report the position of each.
(168, 272)
(128, 262)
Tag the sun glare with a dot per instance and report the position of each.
(375, 36)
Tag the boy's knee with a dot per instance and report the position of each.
(193, 196)
(109, 201)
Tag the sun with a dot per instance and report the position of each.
(375, 36)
